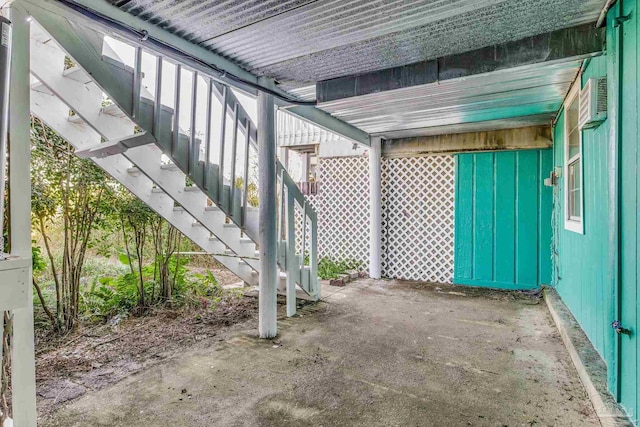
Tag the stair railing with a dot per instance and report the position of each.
(221, 181)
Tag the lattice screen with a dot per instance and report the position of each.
(342, 206)
(417, 214)
(417, 218)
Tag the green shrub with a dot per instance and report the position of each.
(329, 268)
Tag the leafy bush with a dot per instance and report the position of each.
(329, 268)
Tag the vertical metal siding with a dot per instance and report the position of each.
(629, 214)
(582, 263)
(503, 219)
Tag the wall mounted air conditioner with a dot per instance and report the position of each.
(593, 103)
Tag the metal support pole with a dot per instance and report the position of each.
(375, 208)
(23, 369)
(267, 189)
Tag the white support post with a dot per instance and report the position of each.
(284, 157)
(267, 189)
(305, 167)
(375, 208)
(23, 368)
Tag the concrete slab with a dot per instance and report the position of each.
(374, 353)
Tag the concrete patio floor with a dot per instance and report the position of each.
(374, 353)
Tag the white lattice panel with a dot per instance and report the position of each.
(417, 218)
(342, 206)
(417, 214)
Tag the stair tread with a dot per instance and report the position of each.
(113, 110)
(78, 74)
(75, 119)
(169, 166)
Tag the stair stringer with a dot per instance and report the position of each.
(110, 127)
(51, 111)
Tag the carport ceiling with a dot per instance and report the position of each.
(302, 41)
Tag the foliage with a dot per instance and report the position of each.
(119, 295)
(72, 190)
(100, 252)
(329, 268)
(135, 220)
(252, 191)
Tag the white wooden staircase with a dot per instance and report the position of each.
(197, 181)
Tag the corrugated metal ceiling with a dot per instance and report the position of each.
(307, 41)
(532, 90)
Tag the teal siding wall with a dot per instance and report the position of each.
(503, 219)
(629, 211)
(581, 275)
(596, 286)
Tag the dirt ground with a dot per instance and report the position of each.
(97, 355)
(374, 353)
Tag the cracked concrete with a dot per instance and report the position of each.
(374, 353)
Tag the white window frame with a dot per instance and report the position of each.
(572, 223)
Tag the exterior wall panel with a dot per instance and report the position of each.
(581, 267)
(503, 219)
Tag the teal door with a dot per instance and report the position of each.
(503, 219)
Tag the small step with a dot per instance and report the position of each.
(230, 225)
(191, 189)
(38, 86)
(213, 239)
(178, 209)
(134, 171)
(113, 110)
(157, 190)
(245, 240)
(75, 119)
(212, 209)
(169, 167)
(196, 224)
(76, 73)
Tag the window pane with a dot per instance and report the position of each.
(573, 133)
(572, 116)
(574, 143)
(575, 207)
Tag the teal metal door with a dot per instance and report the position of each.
(503, 219)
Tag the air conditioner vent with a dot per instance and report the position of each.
(593, 103)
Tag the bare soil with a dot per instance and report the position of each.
(96, 355)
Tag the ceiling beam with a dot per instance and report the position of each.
(204, 61)
(568, 44)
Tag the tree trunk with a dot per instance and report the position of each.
(54, 324)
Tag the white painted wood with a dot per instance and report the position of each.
(48, 109)
(293, 266)
(116, 146)
(375, 207)
(157, 185)
(172, 182)
(146, 158)
(304, 167)
(268, 305)
(14, 283)
(23, 369)
(283, 156)
(47, 63)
